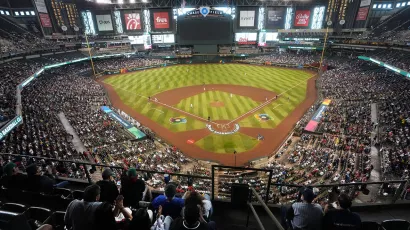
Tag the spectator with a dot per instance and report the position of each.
(342, 218)
(305, 215)
(142, 219)
(13, 178)
(36, 182)
(109, 190)
(132, 188)
(171, 205)
(105, 218)
(193, 219)
(194, 198)
(81, 214)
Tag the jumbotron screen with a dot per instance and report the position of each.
(203, 31)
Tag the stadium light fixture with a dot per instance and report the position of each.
(32, 13)
(120, 1)
(1, 12)
(27, 12)
(374, 6)
(403, 4)
(21, 12)
(398, 5)
(7, 12)
(132, 1)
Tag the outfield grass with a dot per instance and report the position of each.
(133, 88)
(227, 143)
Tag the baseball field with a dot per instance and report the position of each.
(213, 110)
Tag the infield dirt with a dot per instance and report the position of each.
(273, 137)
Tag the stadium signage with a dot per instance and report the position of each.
(133, 21)
(104, 22)
(161, 20)
(302, 18)
(275, 18)
(205, 11)
(244, 41)
(247, 18)
(10, 126)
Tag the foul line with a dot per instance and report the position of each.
(158, 102)
(266, 103)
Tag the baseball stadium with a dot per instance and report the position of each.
(211, 114)
(242, 102)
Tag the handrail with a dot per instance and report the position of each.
(256, 217)
(270, 214)
(106, 166)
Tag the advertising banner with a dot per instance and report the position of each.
(41, 6)
(132, 21)
(275, 18)
(10, 126)
(136, 132)
(362, 14)
(365, 3)
(314, 121)
(161, 20)
(246, 38)
(104, 22)
(45, 20)
(302, 18)
(247, 18)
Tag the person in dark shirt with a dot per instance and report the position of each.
(36, 182)
(109, 190)
(132, 188)
(342, 218)
(12, 178)
(193, 219)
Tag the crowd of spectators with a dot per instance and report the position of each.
(296, 58)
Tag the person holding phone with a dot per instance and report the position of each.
(340, 217)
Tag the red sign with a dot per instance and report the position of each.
(161, 20)
(45, 20)
(133, 21)
(302, 18)
(244, 41)
(362, 14)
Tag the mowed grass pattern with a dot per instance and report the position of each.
(233, 106)
(133, 88)
(227, 143)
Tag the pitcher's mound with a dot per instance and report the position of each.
(217, 104)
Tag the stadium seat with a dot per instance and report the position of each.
(62, 192)
(14, 207)
(396, 224)
(78, 194)
(36, 216)
(56, 220)
(371, 225)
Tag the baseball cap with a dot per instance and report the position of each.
(8, 168)
(132, 172)
(31, 169)
(107, 173)
(170, 190)
(308, 195)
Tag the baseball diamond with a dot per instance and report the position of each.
(258, 99)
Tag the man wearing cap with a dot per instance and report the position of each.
(171, 205)
(36, 182)
(132, 188)
(12, 178)
(305, 215)
(109, 190)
